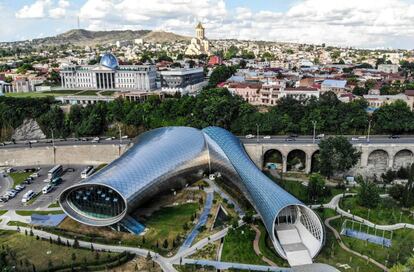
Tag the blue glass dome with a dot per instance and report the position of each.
(110, 61)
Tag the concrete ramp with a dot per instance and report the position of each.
(296, 252)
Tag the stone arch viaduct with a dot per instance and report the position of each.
(375, 158)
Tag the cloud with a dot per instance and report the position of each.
(43, 9)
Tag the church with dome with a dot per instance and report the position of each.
(199, 44)
(109, 75)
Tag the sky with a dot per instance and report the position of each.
(356, 23)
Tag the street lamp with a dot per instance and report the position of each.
(257, 131)
(369, 129)
(53, 139)
(120, 134)
(314, 130)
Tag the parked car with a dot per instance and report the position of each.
(19, 187)
(27, 181)
(249, 136)
(11, 193)
(35, 175)
(48, 188)
(27, 196)
(4, 198)
(46, 180)
(10, 170)
(267, 137)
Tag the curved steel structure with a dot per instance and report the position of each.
(110, 61)
(170, 157)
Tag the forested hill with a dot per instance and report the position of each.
(84, 37)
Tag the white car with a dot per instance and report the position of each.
(267, 137)
(11, 193)
(35, 175)
(355, 139)
(124, 137)
(362, 137)
(19, 187)
(109, 139)
(47, 189)
(249, 136)
(27, 196)
(46, 180)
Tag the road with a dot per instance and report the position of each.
(374, 139)
(278, 139)
(61, 142)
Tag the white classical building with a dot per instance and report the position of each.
(199, 45)
(109, 75)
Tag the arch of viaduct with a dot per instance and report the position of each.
(375, 158)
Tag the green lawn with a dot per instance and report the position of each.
(17, 224)
(99, 167)
(43, 94)
(168, 222)
(267, 249)
(400, 250)
(19, 177)
(90, 92)
(28, 252)
(387, 212)
(29, 213)
(107, 93)
(54, 205)
(3, 212)
(238, 247)
(333, 254)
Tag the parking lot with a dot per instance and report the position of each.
(71, 175)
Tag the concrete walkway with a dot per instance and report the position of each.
(334, 205)
(257, 248)
(226, 265)
(344, 247)
(201, 222)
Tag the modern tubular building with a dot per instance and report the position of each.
(168, 158)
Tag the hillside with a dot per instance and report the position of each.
(85, 37)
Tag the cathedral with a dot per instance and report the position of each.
(199, 45)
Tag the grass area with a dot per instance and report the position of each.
(168, 223)
(89, 92)
(99, 167)
(400, 250)
(29, 253)
(209, 252)
(107, 93)
(238, 247)
(3, 212)
(43, 94)
(388, 211)
(202, 183)
(29, 213)
(17, 224)
(54, 205)
(333, 254)
(267, 249)
(19, 177)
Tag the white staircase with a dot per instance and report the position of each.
(291, 242)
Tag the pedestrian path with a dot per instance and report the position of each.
(201, 222)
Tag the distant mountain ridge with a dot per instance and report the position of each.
(87, 37)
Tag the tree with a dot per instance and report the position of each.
(220, 74)
(394, 118)
(316, 187)
(165, 244)
(336, 154)
(408, 196)
(368, 195)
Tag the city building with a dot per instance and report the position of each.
(184, 81)
(300, 92)
(377, 101)
(199, 44)
(109, 75)
(388, 68)
(332, 85)
(181, 78)
(170, 158)
(139, 96)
